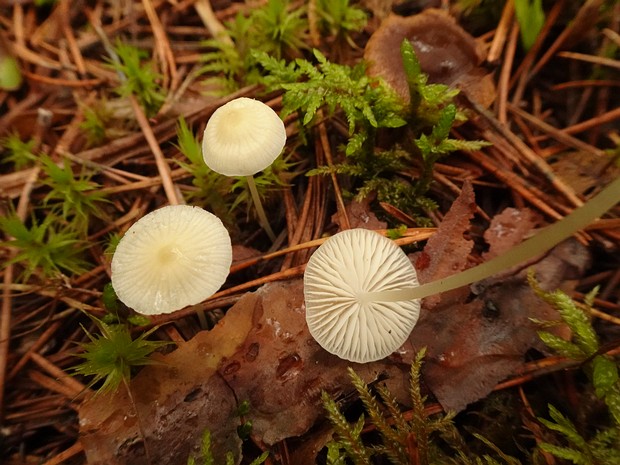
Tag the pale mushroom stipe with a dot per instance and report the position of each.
(172, 257)
(241, 138)
(338, 278)
(340, 286)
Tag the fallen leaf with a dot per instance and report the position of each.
(480, 335)
(282, 370)
(446, 52)
(360, 216)
(261, 351)
(176, 401)
(447, 251)
(507, 229)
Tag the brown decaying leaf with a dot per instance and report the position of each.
(176, 401)
(507, 229)
(447, 251)
(478, 336)
(447, 53)
(262, 352)
(360, 216)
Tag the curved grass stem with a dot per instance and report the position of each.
(262, 217)
(531, 248)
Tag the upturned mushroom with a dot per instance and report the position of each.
(172, 257)
(340, 275)
(350, 300)
(241, 138)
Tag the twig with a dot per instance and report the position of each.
(164, 170)
(66, 454)
(162, 45)
(603, 61)
(208, 18)
(499, 38)
(342, 211)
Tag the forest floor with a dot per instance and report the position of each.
(102, 109)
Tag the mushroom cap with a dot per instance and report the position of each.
(340, 317)
(242, 137)
(172, 257)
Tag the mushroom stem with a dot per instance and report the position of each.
(532, 247)
(262, 218)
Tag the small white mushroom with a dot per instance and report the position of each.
(337, 281)
(172, 257)
(243, 137)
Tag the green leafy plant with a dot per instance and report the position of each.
(268, 182)
(280, 30)
(367, 103)
(45, 249)
(138, 77)
(438, 144)
(211, 189)
(415, 439)
(20, 153)
(274, 29)
(602, 370)
(339, 19)
(110, 355)
(224, 194)
(10, 74)
(602, 448)
(76, 198)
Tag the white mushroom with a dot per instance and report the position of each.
(360, 287)
(337, 281)
(243, 137)
(172, 257)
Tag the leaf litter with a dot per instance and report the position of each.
(262, 352)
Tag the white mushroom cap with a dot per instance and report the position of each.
(242, 138)
(173, 257)
(340, 315)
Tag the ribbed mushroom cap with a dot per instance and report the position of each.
(242, 138)
(342, 319)
(172, 257)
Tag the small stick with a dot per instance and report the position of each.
(160, 160)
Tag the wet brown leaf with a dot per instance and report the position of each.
(282, 370)
(447, 251)
(261, 352)
(176, 401)
(507, 229)
(360, 216)
(480, 335)
(447, 53)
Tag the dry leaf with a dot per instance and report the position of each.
(479, 336)
(507, 229)
(360, 216)
(261, 351)
(447, 53)
(447, 251)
